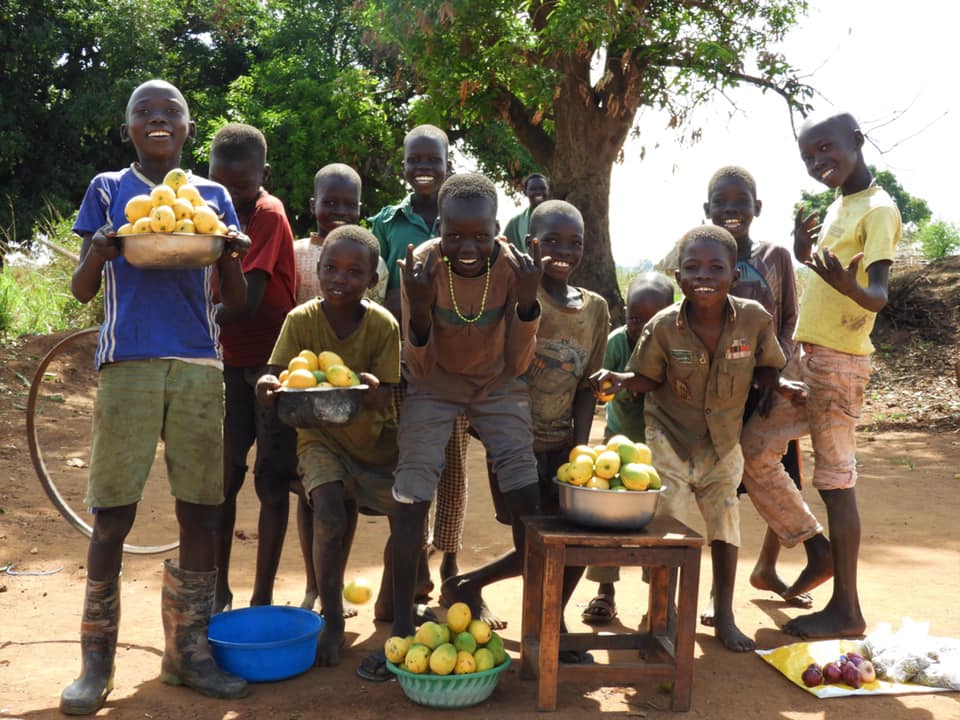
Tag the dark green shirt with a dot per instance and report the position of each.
(517, 228)
(625, 412)
(397, 226)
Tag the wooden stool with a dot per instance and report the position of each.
(552, 543)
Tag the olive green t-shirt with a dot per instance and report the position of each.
(374, 347)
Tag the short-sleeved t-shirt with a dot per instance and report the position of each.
(867, 222)
(374, 347)
(624, 414)
(517, 229)
(700, 397)
(570, 347)
(307, 253)
(152, 313)
(397, 226)
(767, 277)
(247, 343)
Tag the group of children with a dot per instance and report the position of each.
(457, 331)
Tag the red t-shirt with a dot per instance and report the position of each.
(248, 343)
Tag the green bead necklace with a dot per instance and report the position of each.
(453, 295)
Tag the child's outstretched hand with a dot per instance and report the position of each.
(528, 271)
(105, 243)
(794, 391)
(806, 232)
(606, 383)
(842, 279)
(266, 388)
(418, 279)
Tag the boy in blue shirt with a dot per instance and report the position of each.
(160, 376)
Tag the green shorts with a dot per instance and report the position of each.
(142, 401)
(370, 486)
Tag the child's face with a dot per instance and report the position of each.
(536, 191)
(561, 245)
(425, 164)
(706, 273)
(831, 151)
(337, 203)
(732, 206)
(468, 230)
(345, 272)
(643, 305)
(242, 178)
(158, 123)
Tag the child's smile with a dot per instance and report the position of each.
(706, 272)
(468, 229)
(424, 164)
(732, 206)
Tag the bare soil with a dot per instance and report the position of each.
(910, 566)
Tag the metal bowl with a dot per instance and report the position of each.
(616, 509)
(319, 406)
(171, 251)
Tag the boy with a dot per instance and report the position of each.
(696, 361)
(571, 342)
(647, 294)
(238, 161)
(471, 314)
(766, 275)
(160, 375)
(426, 164)
(536, 188)
(335, 203)
(856, 245)
(344, 468)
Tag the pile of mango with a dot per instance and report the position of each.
(620, 464)
(172, 206)
(325, 369)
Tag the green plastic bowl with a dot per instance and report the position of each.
(448, 691)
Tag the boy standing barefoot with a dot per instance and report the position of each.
(855, 247)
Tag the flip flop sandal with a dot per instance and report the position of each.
(575, 657)
(599, 611)
(423, 613)
(374, 668)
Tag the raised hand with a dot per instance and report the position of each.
(528, 270)
(418, 280)
(806, 232)
(842, 279)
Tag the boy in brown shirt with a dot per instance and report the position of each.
(697, 360)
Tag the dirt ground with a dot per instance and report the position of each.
(910, 566)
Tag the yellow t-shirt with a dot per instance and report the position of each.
(374, 347)
(867, 222)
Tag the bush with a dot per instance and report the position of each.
(938, 239)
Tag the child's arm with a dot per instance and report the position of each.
(256, 285)
(529, 271)
(421, 291)
(584, 404)
(608, 382)
(95, 250)
(806, 231)
(233, 284)
(844, 280)
(267, 385)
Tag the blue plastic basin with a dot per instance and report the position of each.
(264, 643)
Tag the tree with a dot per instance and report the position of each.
(566, 80)
(913, 210)
(938, 239)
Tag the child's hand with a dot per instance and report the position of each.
(418, 281)
(765, 379)
(237, 244)
(377, 396)
(528, 271)
(369, 379)
(794, 391)
(105, 243)
(828, 266)
(266, 388)
(606, 384)
(806, 232)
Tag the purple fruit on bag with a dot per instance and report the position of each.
(855, 658)
(851, 675)
(812, 676)
(832, 673)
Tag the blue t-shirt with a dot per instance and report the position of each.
(151, 313)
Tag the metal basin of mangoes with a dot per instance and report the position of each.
(315, 407)
(171, 251)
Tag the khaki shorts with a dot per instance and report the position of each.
(142, 401)
(370, 486)
(710, 479)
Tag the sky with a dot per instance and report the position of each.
(887, 63)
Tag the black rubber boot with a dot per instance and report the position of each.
(98, 645)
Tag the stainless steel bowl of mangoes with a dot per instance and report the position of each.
(318, 389)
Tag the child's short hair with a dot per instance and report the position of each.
(468, 186)
(654, 282)
(157, 83)
(734, 171)
(553, 207)
(533, 176)
(716, 234)
(238, 141)
(360, 236)
(429, 131)
(336, 170)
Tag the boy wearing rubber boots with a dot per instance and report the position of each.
(160, 376)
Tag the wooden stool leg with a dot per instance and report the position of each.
(530, 628)
(686, 630)
(549, 660)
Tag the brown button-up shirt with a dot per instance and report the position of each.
(702, 397)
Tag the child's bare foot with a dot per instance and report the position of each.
(707, 616)
(222, 602)
(818, 570)
(329, 644)
(309, 601)
(421, 613)
(827, 623)
(458, 590)
(767, 579)
(729, 634)
(448, 566)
